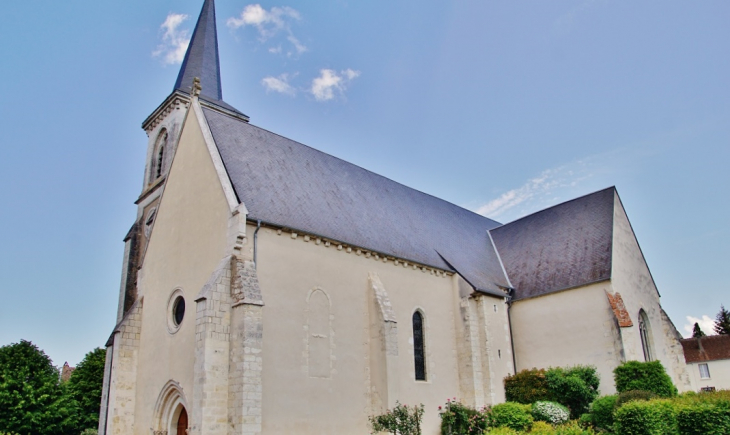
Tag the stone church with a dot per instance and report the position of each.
(270, 288)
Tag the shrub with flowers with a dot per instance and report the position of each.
(400, 420)
(551, 412)
(457, 418)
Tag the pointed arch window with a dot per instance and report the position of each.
(419, 354)
(645, 333)
(158, 158)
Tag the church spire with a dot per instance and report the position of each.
(201, 59)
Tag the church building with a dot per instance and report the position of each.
(270, 288)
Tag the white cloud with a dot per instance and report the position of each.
(279, 84)
(535, 188)
(269, 24)
(174, 40)
(706, 323)
(329, 84)
(298, 46)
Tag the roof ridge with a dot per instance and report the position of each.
(561, 204)
(498, 224)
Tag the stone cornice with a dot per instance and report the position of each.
(176, 100)
(357, 250)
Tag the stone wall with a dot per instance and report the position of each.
(123, 379)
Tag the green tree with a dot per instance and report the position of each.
(84, 387)
(722, 321)
(31, 398)
(697, 331)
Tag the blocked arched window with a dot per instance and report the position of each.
(645, 333)
(319, 335)
(419, 354)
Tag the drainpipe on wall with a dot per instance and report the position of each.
(255, 242)
(510, 294)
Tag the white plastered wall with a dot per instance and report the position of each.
(719, 375)
(305, 399)
(631, 278)
(187, 242)
(567, 328)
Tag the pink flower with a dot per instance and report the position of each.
(439, 408)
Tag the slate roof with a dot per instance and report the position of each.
(558, 248)
(714, 347)
(201, 59)
(288, 184)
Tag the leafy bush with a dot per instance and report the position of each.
(503, 431)
(572, 428)
(89, 432)
(646, 376)
(510, 414)
(655, 417)
(399, 420)
(457, 418)
(85, 386)
(550, 412)
(575, 387)
(543, 428)
(630, 396)
(602, 412)
(703, 418)
(527, 386)
(31, 397)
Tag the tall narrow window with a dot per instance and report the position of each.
(645, 332)
(160, 160)
(419, 355)
(157, 161)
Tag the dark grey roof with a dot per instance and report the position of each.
(561, 247)
(201, 59)
(288, 184)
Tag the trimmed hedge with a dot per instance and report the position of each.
(573, 387)
(512, 415)
(703, 418)
(630, 396)
(602, 410)
(527, 386)
(646, 376)
(656, 417)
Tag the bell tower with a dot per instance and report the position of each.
(201, 65)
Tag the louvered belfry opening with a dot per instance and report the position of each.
(418, 348)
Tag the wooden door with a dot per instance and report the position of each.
(182, 423)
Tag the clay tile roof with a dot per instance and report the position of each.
(619, 310)
(714, 347)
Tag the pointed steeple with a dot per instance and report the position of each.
(201, 59)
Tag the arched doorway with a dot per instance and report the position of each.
(182, 422)
(171, 415)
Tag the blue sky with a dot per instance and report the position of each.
(501, 107)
